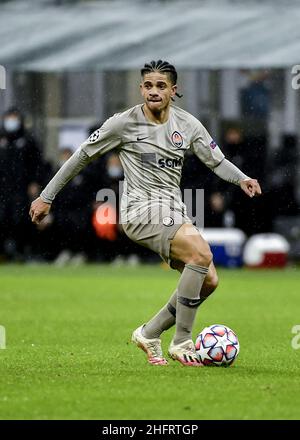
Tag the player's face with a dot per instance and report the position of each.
(157, 91)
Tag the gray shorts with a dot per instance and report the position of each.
(156, 227)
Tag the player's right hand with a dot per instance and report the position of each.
(39, 210)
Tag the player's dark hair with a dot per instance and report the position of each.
(163, 67)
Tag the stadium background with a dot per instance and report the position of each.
(68, 66)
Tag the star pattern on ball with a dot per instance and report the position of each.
(217, 345)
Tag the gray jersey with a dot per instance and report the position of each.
(152, 154)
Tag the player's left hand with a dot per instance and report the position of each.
(251, 187)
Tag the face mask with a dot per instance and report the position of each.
(11, 125)
(114, 171)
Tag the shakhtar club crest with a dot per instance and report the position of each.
(177, 139)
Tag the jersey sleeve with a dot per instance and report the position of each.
(204, 147)
(105, 138)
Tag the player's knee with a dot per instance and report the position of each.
(201, 256)
(192, 250)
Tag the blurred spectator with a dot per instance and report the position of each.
(107, 246)
(217, 214)
(255, 97)
(111, 243)
(21, 171)
(283, 178)
(234, 148)
(249, 154)
(255, 107)
(71, 211)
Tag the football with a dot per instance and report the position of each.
(217, 345)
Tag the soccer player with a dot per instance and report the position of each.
(151, 140)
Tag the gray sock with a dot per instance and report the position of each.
(163, 320)
(188, 300)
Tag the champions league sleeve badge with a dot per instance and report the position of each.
(94, 137)
(213, 144)
(177, 139)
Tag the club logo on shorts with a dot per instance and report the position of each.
(177, 139)
(94, 137)
(168, 221)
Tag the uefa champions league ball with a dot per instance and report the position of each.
(217, 345)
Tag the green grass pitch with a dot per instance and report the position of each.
(69, 354)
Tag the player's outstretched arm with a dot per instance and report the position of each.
(226, 170)
(40, 207)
